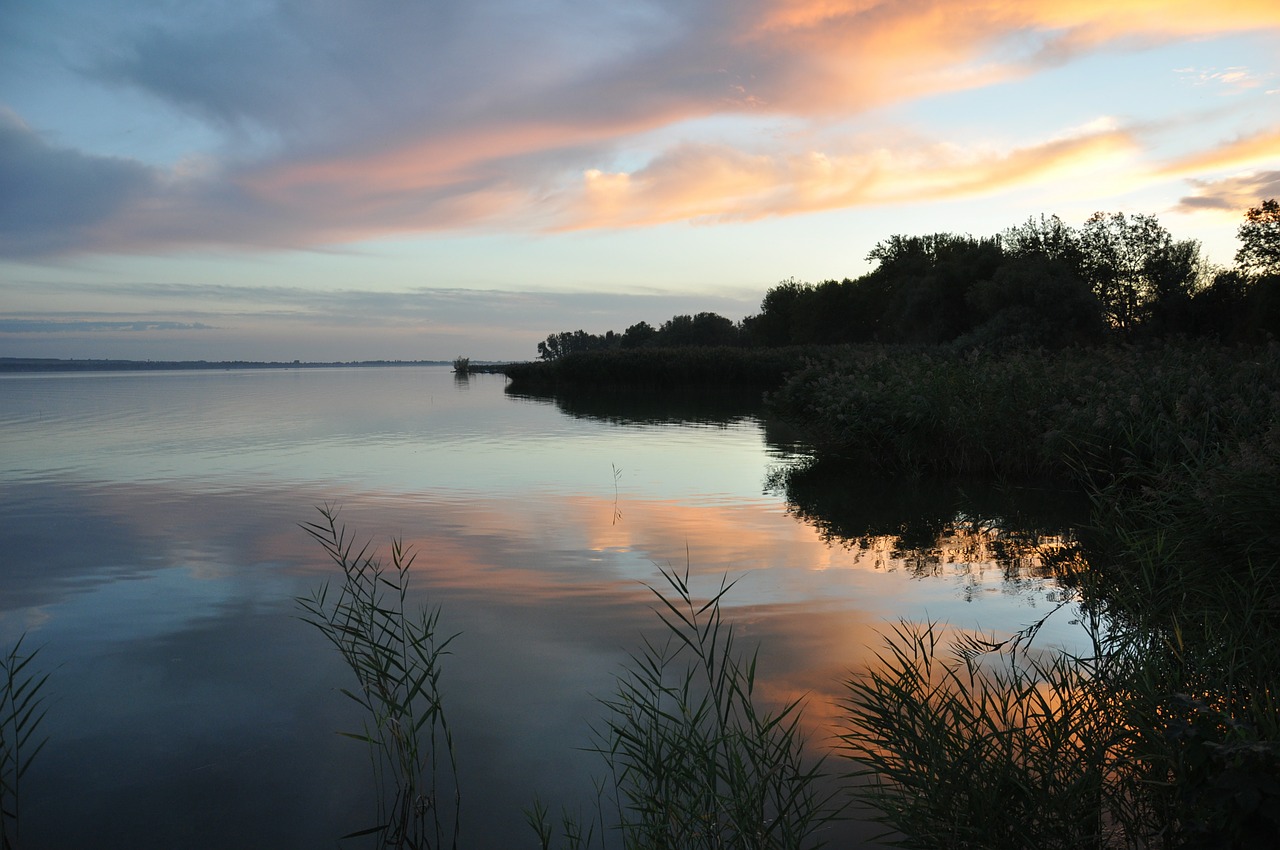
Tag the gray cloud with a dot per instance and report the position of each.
(54, 326)
(52, 199)
(344, 121)
(198, 304)
(282, 323)
(1232, 193)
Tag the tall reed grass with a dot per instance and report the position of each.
(959, 752)
(395, 654)
(663, 368)
(1168, 733)
(1084, 415)
(694, 762)
(22, 711)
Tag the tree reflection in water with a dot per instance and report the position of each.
(938, 528)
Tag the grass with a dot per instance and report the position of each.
(662, 368)
(1168, 733)
(21, 713)
(959, 752)
(695, 762)
(1080, 415)
(1165, 734)
(395, 655)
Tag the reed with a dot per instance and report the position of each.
(395, 654)
(663, 368)
(695, 761)
(22, 710)
(1166, 734)
(1080, 415)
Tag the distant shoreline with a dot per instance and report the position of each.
(53, 364)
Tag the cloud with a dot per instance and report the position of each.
(342, 121)
(53, 199)
(1253, 150)
(1232, 194)
(910, 48)
(45, 326)
(1233, 80)
(281, 323)
(718, 183)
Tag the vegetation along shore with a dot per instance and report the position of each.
(1113, 358)
(1109, 357)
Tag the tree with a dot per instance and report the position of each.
(1033, 301)
(775, 323)
(567, 342)
(1175, 273)
(923, 281)
(702, 329)
(1047, 237)
(638, 335)
(1131, 263)
(1259, 236)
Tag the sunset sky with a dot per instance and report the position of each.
(419, 179)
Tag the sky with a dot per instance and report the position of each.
(423, 179)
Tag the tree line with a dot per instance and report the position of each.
(1041, 283)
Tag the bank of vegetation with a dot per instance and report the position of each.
(1105, 357)
(1111, 357)
(1042, 284)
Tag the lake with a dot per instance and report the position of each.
(150, 524)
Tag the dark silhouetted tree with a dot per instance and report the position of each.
(701, 329)
(1034, 301)
(569, 342)
(639, 335)
(773, 325)
(1259, 251)
(1175, 273)
(924, 281)
(1131, 262)
(1046, 237)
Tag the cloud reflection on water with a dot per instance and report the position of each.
(156, 553)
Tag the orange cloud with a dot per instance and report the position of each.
(1102, 18)
(715, 183)
(808, 55)
(1258, 149)
(535, 145)
(872, 51)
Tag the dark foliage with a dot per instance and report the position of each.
(1040, 284)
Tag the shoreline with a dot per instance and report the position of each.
(11, 365)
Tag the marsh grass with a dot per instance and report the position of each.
(663, 368)
(1165, 734)
(1087, 416)
(958, 749)
(395, 654)
(21, 712)
(695, 762)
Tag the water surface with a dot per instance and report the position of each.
(150, 528)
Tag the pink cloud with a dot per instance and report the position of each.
(719, 183)
(404, 129)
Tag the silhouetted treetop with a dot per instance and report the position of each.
(1041, 283)
(1259, 251)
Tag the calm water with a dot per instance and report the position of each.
(151, 546)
